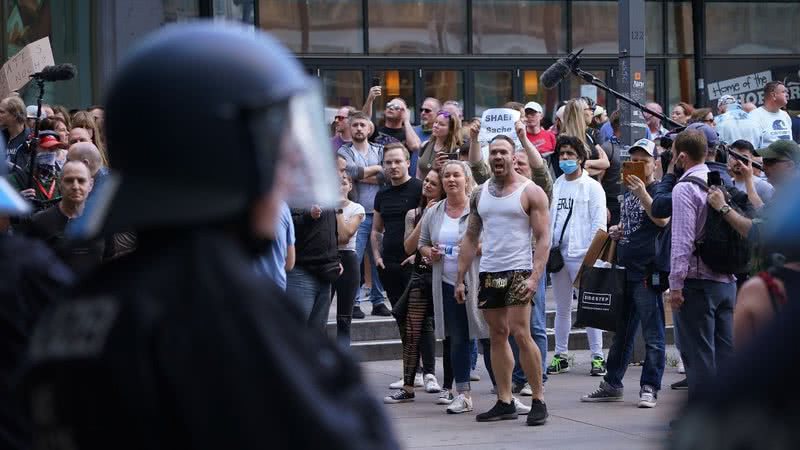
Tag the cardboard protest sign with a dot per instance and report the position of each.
(16, 72)
(498, 121)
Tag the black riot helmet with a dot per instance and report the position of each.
(201, 119)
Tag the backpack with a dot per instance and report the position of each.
(722, 248)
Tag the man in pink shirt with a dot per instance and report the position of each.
(543, 140)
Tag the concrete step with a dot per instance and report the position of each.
(391, 349)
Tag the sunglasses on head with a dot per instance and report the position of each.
(444, 114)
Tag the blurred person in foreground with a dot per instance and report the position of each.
(182, 344)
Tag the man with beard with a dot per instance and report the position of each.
(508, 211)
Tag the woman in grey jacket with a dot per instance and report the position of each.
(442, 229)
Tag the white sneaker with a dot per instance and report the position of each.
(397, 385)
(526, 391)
(418, 381)
(521, 408)
(445, 398)
(431, 385)
(648, 397)
(461, 404)
(681, 368)
(474, 377)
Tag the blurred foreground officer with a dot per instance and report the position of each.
(31, 278)
(181, 344)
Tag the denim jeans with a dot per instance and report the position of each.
(539, 333)
(706, 329)
(312, 295)
(642, 305)
(363, 245)
(457, 329)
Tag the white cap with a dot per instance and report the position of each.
(31, 112)
(534, 106)
(598, 111)
(726, 100)
(646, 145)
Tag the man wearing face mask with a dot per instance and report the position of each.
(40, 186)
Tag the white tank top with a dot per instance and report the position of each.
(506, 232)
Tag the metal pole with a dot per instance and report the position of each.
(631, 79)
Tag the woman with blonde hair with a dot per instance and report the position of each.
(578, 115)
(444, 142)
(84, 119)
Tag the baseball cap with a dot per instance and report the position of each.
(599, 110)
(727, 100)
(711, 136)
(782, 150)
(48, 140)
(646, 145)
(31, 112)
(534, 106)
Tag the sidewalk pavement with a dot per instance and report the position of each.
(423, 424)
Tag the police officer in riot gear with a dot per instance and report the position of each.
(181, 344)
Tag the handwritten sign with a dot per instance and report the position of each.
(498, 121)
(16, 72)
(740, 86)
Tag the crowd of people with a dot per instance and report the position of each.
(463, 237)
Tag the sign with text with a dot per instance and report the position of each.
(498, 121)
(746, 88)
(16, 72)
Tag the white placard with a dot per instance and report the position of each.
(496, 121)
(739, 85)
(32, 58)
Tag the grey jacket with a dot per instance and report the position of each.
(355, 168)
(429, 233)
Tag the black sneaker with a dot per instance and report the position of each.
(401, 396)
(682, 385)
(500, 411)
(538, 414)
(605, 393)
(598, 367)
(381, 310)
(358, 313)
(516, 388)
(559, 364)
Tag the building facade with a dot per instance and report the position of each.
(482, 53)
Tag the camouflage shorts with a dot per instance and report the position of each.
(500, 289)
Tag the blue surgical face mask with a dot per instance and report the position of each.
(568, 166)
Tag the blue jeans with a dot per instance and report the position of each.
(706, 330)
(456, 327)
(363, 245)
(539, 333)
(642, 305)
(312, 295)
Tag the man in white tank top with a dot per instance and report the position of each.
(509, 209)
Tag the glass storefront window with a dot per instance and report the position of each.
(679, 28)
(444, 85)
(680, 82)
(492, 89)
(580, 88)
(518, 27)
(395, 83)
(236, 10)
(342, 88)
(533, 91)
(417, 27)
(314, 26)
(594, 26)
(752, 27)
(181, 10)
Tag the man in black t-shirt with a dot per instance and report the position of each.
(397, 127)
(636, 252)
(391, 205)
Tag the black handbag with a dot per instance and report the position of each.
(555, 262)
(601, 299)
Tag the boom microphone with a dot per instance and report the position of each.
(559, 70)
(57, 72)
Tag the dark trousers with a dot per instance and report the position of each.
(346, 289)
(418, 333)
(706, 330)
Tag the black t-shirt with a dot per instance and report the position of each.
(181, 345)
(17, 152)
(385, 135)
(315, 242)
(611, 181)
(393, 202)
(81, 257)
(636, 249)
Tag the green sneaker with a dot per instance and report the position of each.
(598, 367)
(558, 365)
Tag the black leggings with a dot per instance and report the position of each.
(447, 383)
(417, 328)
(346, 288)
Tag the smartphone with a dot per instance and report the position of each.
(376, 81)
(633, 168)
(453, 156)
(714, 179)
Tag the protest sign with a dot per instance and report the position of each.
(16, 72)
(498, 121)
(744, 88)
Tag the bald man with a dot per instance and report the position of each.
(88, 154)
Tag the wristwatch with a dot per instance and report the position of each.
(725, 210)
(340, 211)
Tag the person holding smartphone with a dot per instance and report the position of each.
(443, 145)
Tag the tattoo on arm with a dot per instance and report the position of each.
(475, 224)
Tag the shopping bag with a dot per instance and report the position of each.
(602, 248)
(601, 298)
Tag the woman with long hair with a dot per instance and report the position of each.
(445, 140)
(578, 115)
(348, 218)
(83, 119)
(418, 336)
